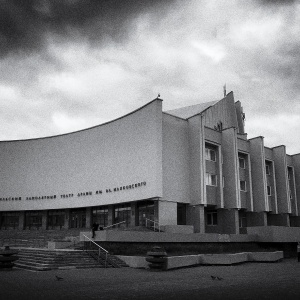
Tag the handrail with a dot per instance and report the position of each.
(113, 225)
(95, 243)
(99, 249)
(155, 222)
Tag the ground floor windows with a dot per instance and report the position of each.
(242, 222)
(181, 214)
(212, 218)
(9, 220)
(78, 218)
(123, 214)
(56, 219)
(100, 216)
(145, 213)
(33, 219)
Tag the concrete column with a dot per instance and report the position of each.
(282, 186)
(134, 215)
(167, 213)
(230, 169)
(67, 219)
(156, 209)
(88, 217)
(111, 217)
(44, 219)
(21, 220)
(258, 173)
(279, 220)
(195, 217)
(296, 164)
(257, 219)
(229, 220)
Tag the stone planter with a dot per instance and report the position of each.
(7, 257)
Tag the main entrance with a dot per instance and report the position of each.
(78, 218)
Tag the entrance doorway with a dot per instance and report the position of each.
(78, 218)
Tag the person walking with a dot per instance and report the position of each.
(94, 229)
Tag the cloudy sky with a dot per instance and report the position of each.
(67, 65)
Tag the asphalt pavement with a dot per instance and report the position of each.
(280, 280)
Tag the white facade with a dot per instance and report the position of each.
(189, 166)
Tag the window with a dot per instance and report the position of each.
(9, 220)
(242, 163)
(290, 193)
(269, 190)
(243, 185)
(289, 176)
(268, 170)
(56, 218)
(33, 219)
(212, 218)
(122, 214)
(211, 179)
(100, 215)
(210, 154)
(242, 222)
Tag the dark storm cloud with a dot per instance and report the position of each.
(24, 25)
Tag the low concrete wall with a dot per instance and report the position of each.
(265, 256)
(174, 262)
(134, 261)
(183, 234)
(223, 259)
(183, 229)
(182, 261)
(59, 245)
(164, 237)
(275, 234)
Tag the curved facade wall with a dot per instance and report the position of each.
(116, 162)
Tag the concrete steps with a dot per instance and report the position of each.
(43, 260)
(36, 238)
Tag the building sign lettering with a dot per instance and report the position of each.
(80, 194)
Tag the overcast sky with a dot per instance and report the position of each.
(67, 65)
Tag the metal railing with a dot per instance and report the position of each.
(97, 246)
(109, 226)
(154, 223)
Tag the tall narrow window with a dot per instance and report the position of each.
(210, 154)
(242, 163)
(269, 190)
(211, 179)
(268, 170)
(243, 186)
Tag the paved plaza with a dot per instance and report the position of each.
(245, 281)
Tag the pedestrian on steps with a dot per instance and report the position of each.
(94, 229)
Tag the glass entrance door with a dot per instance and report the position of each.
(146, 211)
(78, 218)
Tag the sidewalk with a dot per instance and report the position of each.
(245, 281)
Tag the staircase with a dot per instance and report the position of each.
(35, 238)
(43, 260)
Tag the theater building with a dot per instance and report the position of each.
(189, 166)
